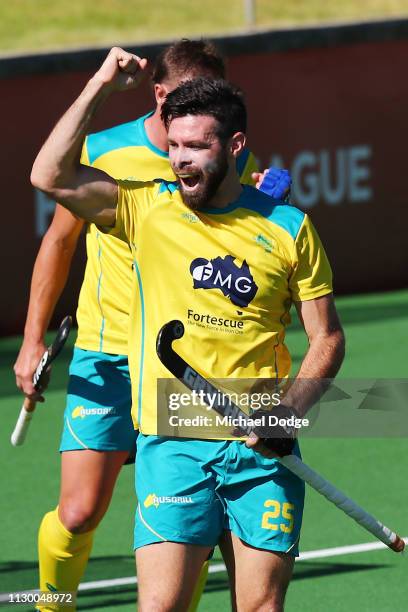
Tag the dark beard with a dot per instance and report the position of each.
(208, 190)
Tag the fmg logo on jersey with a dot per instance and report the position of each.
(236, 282)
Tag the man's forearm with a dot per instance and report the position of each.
(49, 278)
(320, 364)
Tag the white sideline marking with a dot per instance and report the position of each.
(216, 568)
(343, 550)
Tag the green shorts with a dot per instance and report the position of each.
(189, 491)
(97, 415)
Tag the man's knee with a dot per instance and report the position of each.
(79, 516)
(162, 602)
(270, 602)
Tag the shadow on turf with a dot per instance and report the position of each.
(309, 569)
(24, 576)
(215, 584)
(19, 575)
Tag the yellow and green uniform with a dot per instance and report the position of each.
(123, 152)
(230, 275)
(97, 415)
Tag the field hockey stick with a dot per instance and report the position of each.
(174, 330)
(28, 407)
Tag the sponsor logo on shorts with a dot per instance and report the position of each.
(155, 500)
(82, 412)
(234, 281)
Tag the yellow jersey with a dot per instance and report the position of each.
(125, 153)
(230, 275)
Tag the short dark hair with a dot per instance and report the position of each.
(202, 96)
(188, 58)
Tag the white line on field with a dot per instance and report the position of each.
(343, 550)
(216, 568)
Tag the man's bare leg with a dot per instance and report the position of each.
(167, 573)
(258, 578)
(88, 478)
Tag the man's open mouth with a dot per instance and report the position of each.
(189, 181)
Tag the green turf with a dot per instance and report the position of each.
(44, 24)
(371, 471)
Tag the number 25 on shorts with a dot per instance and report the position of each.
(278, 511)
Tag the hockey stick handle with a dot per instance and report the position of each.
(173, 330)
(23, 422)
(26, 413)
(339, 499)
